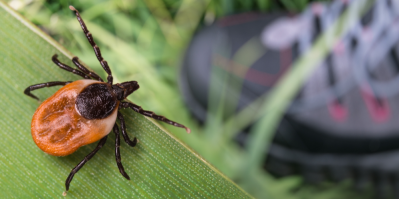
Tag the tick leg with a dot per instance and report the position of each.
(125, 136)
(68, 68)
(75, 60)
(83, 162)
(151, 114)
(97, 51)
(42, 85)
(117, 152)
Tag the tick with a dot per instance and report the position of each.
(84, 111)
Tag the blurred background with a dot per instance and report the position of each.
(212, 65)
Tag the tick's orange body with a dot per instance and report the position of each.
(59, 129)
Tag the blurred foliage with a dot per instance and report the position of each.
(144, 40)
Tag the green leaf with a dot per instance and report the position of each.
(160, 166)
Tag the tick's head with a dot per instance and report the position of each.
(124, 89)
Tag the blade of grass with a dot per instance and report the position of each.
(263, 4)
(165, 21)
(188, 16)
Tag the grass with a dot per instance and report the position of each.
(144, 40)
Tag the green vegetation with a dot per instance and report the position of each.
(142, 40)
